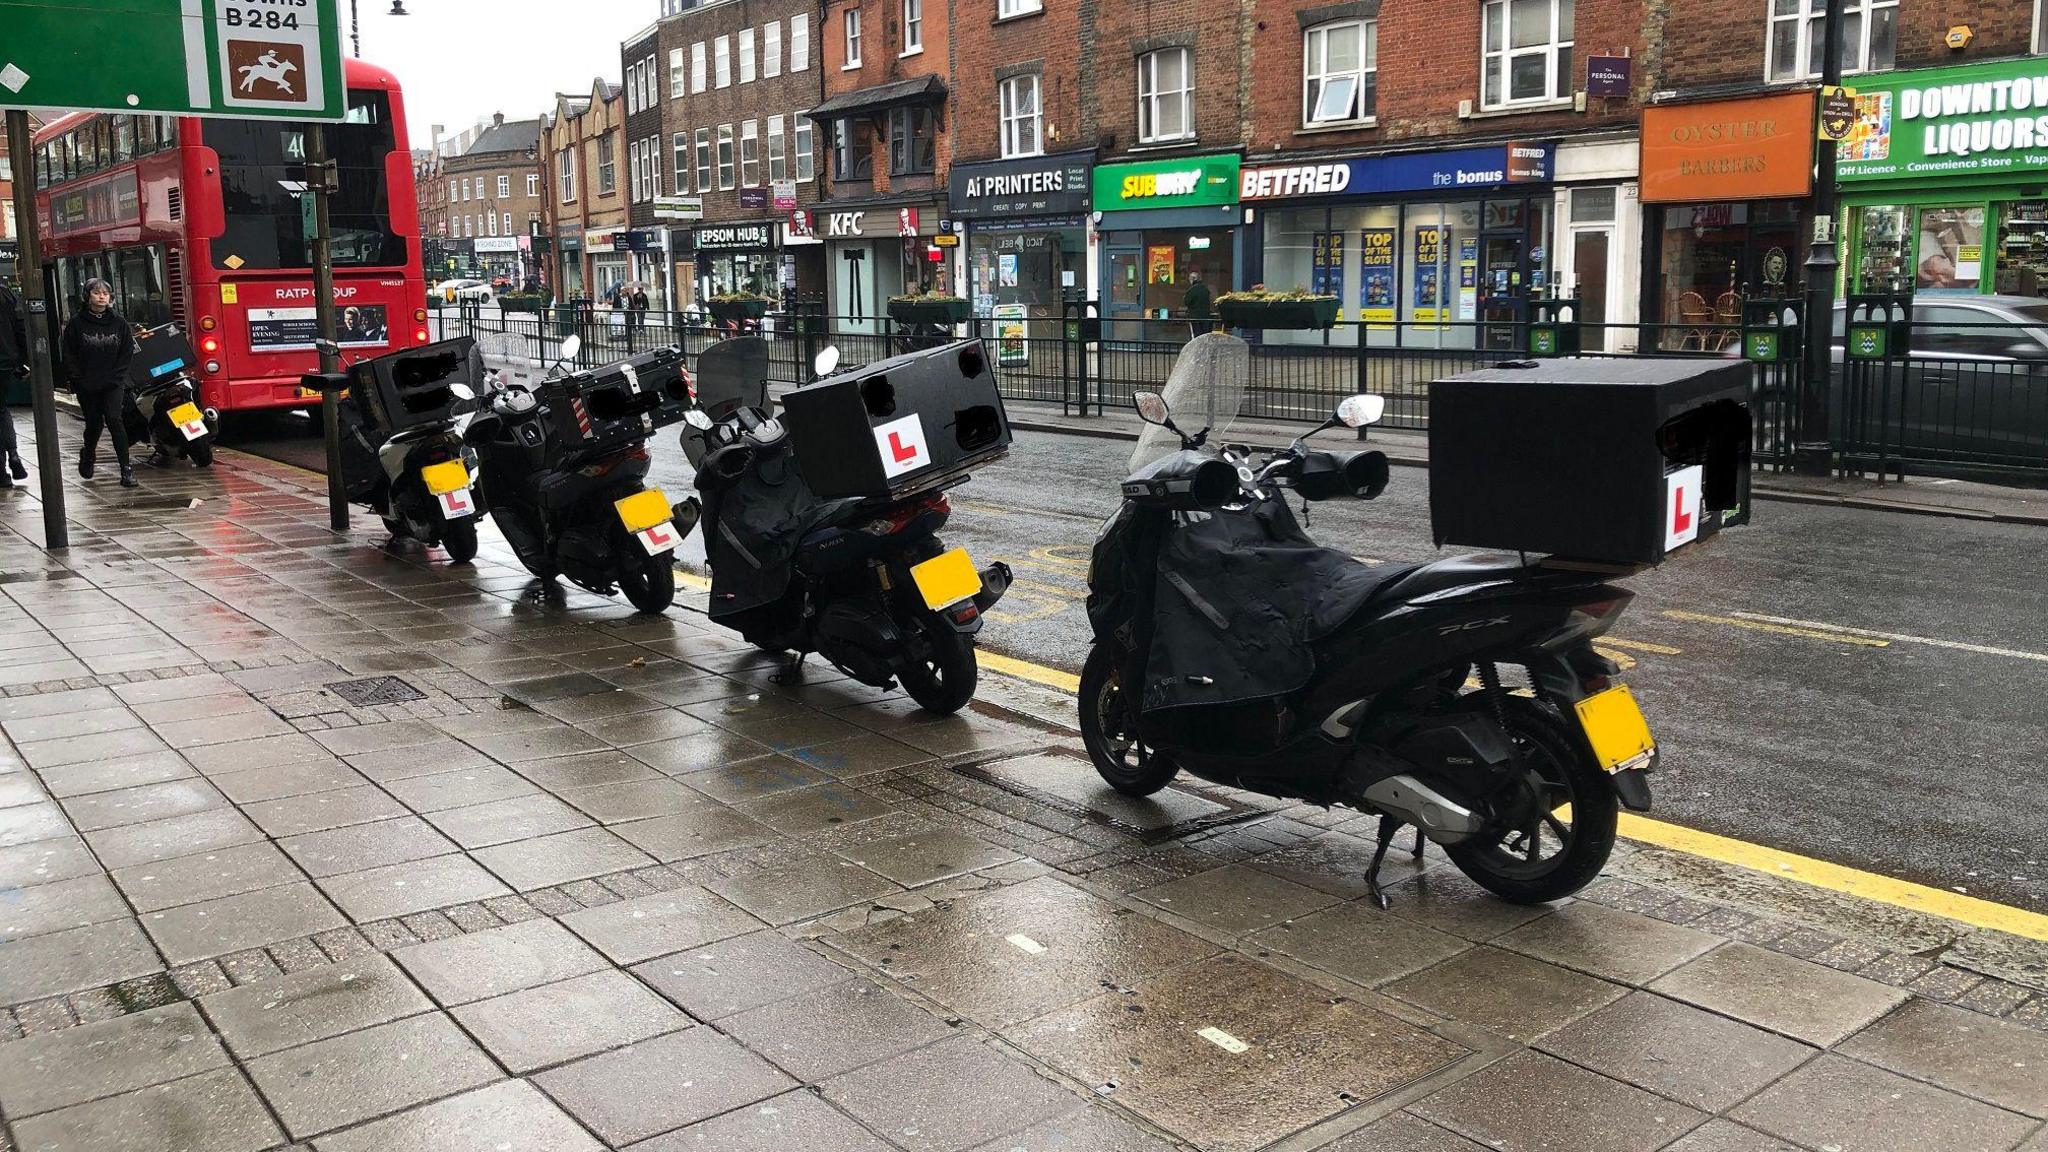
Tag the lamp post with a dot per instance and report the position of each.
(355, 25)
(1814, 454)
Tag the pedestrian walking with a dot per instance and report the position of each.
(14, 353)
(636, 314)
(1198, 304)
(98, 344)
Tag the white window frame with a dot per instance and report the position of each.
(804, 161)
(565, 175)
(1005, 9)
(1011, 124)
(750, 154)
(455, 191)
(721, 62)
(1153, 100)
(508, 226)
(1502, 56)
(800, 42)
(651, 156)
(727, 158)
(679, 147)
(633, 171)
(533, 184)
(675, 74)
(607, 165)
(746, 55)
(851, 26)
(771, 50)
(913, 28)
(697, 67)
(703, 158)
(491, 223)
(778, 164)
(1810, 17)
(1317, 80)
(504, 186)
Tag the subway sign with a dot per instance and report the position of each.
(1512, 163)
(1978, 120)
(1182, 182)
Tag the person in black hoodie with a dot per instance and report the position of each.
(14, 353)
(98, 344)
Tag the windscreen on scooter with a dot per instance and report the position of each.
(507, 353)
(1204, 390)
(732, 374)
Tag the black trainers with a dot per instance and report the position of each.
(128, 479)
(6, 481)
(19, 469)
(85, 467)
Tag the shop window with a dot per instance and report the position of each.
(913, 27)
(1527, 54)
(1165, 96)
(853, 151)
(750, 154)
(1340, 72)
(1008, 8)
(912, 141)
(1018, 99)
(852, 39)
(1870, 36)
(607, 166)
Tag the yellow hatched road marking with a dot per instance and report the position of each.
(1777, 629)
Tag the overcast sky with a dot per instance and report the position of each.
(461, 60)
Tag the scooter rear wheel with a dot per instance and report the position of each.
(1107, 731)
(944, 680)
(652, 586)
(1548, 858)
(201, 455)
(459, 538)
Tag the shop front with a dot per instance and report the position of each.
(569, 262)
(610, 260)
(1942, 181)
(1024, 224)
(736, 258)
(1725, 185)
(1597, 239)
(1163, 226)
(875, 250)
(1430, 249)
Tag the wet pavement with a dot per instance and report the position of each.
(306, 842)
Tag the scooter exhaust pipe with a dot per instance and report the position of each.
(995, 580)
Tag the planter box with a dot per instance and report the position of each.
(738, 309)
(1284, 314)
(953, 311)
(533, 304)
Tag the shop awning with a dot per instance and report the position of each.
(880, 98)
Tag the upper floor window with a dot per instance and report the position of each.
(697, 67)
(607, 167)
(913, 136)
(703, 159)
(679, 144)
(532, 184)
(1340, 70)
(1165, 96)
(799, 42)
(806, 160)
(675, 73)
(721, 62)
(455, 191)
(1527, 54)
(504, 187)
(778, 163)
(750, 154)
(852, 38)
(853, 152)
(1870, 37)
(725, 165)
(1008, 8)
(771, 49)
(913, 27)
(1017, 109)
(746, 55)
(565, 172)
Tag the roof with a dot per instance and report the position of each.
(511, 136)
(880, 98)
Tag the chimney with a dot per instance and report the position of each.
(497, 120)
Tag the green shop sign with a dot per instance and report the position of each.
(1975, 122)
(1182, 182)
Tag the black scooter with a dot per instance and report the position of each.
(1229, 645)
(865, 583)
(565, 466)
(163, 409)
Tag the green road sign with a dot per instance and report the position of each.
(1867, 341)
(241, 58)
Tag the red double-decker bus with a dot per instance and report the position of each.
(207, 222)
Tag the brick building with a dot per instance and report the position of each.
(882, 118)
(581, 143)
(647, 159)
(732, 80)
(485, 202)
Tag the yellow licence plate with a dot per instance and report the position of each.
(643, 510)
(947, 579)
(447, 476)
(1615, 727)
(185, 414)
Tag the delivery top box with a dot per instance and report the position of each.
(899, 426)
(620, 403)
(414, 387)
(1605, 460)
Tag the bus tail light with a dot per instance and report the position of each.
(208, 323)
(419, 315)
(210, 345)
(420, 336)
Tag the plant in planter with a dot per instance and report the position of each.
(929, 308)
(522, 302)
(1259, 308)
(740, 305)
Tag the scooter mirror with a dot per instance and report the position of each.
(461, 391)
(1151, 407)
(1358, 411)
(827, 361)
(327, 347)
(697, 419)
(571, 346)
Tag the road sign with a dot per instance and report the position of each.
(240, 58)
(678, 207)
(1837, 113)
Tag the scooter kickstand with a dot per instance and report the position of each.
(1421, 841)
(1388, 826)
(792, 671)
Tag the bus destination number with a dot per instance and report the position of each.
(259, 18)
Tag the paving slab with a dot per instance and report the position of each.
(316, 1004)
(168, 839)
(587, 770)
(1966, 1052)
(1608, 942)
(928, 857)
(28, 823)
(446, 755)
(647, 926)
(637, 800)
(1444, 899)
(1511, 994)
(142, 803)
(744, 972)
(803, 886)
(1360, 943)
(937, 1099)
(214, 1111)
(1854, 1107)
(54, 907)
(1403, 1132)
(481, 965)
(75, 959)
(511, 1114)
(414, 886)
(370, 1073)
(45, 862)
(1530, 1102)
(829, 1030)
(362, 846)
(1708, 1061)
(1728, 1136)
(319, 811)
(785, 1123)
(110, 775)
(662, 1084)
(59, 1069)
(554, 1023)
(283, 780)
(699, 831)
(459, 788)
(1803, 1000)
(206, 876)
(805, 810)
(249, 920)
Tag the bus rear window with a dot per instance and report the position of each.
(262, 183)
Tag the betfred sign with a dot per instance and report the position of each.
(1519, 162)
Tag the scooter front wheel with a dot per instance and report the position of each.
(1556, 836)
(942, 681)
(1109, 731)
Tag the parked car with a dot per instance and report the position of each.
(454, 290)
(1973, 384)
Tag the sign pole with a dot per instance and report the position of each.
(49, 461)
(1814, 454)
(320, 181)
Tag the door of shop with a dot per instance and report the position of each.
(1503, 296)
(1125, 321)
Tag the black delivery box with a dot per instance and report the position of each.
(898, 426)
(620, 403)
(161, 354)
(1608, 461)
(410, 388)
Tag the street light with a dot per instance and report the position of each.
(355, 25)
(1814, 454)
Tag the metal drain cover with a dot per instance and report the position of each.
(373, 690)
(1063, 779)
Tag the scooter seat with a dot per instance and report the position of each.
(1458, 571)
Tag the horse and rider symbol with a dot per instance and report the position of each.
(265, 71)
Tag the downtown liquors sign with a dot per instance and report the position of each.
(1983, 120)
